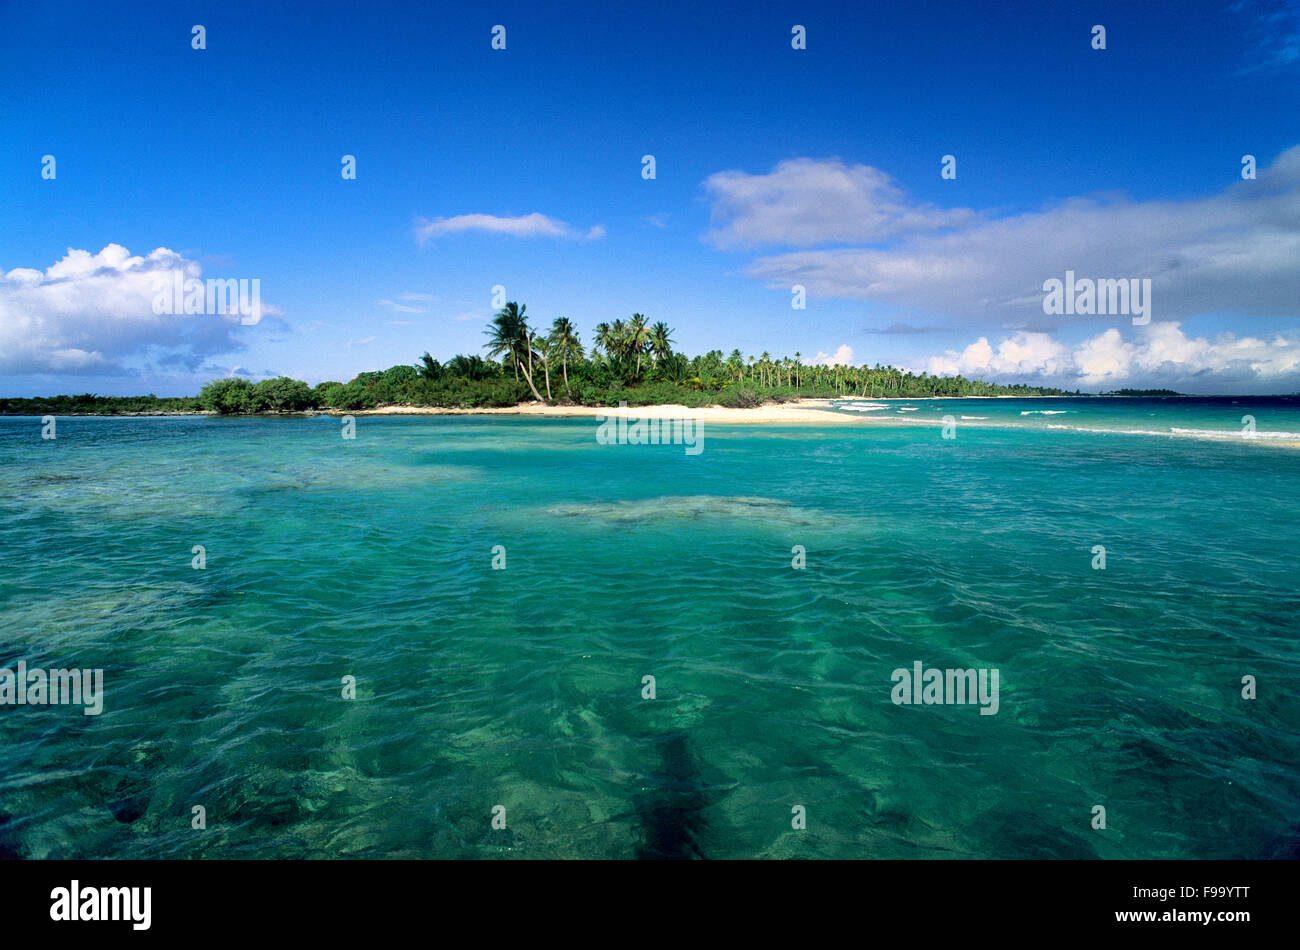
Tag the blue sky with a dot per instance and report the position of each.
(774, 166)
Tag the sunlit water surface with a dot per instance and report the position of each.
(523, 687)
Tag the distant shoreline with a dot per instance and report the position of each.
(811, 409)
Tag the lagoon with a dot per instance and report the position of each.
(522, 687)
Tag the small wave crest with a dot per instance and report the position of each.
(1235, 434)
(1214, 435)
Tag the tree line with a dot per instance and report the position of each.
(632, 361)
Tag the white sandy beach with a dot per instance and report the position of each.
(802, 411)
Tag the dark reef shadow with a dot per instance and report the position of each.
(671, 811)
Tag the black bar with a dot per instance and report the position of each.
(333, 900)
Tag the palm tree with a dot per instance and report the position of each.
(504, 333)
(798, 369)
(510, 334)
(638, 336)
(565, 344)
(469, 367)
(675, 368)
(528, 348)
(428, 367)
(544, 350)
(618, 340)
(736, 363)
(603, 338)
(660, 338)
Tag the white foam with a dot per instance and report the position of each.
(1234, 434)
(1218, 435)
(1109, 431)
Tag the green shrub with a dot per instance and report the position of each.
(230, 395)
(354, 395)
(282, 394)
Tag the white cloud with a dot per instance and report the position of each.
(399, 307)
(362, 342)
(1160, 355)
(1021, 354)
(841, 357)
(528, 225)
(1233, 251)
(93, 314)
(805, 202)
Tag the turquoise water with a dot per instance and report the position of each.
(522, 687)
(1274, 420)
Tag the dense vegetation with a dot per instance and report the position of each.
(629, 361)
(91, 405)
(1142, 392)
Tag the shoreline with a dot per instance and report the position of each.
(801, 411)
(795, 411)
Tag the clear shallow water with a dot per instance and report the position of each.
(1273, 419)
(522, 687)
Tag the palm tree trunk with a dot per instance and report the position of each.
(528, 378)
(528, 374)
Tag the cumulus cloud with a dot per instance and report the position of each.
(1232, 251)
(805, 202)
(1160, 355)
(528, 225)
(1035, 354)
(92, 314)
(841, 357)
